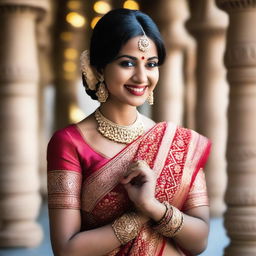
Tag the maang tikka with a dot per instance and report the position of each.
(143, 43)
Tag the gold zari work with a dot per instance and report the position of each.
(126, 227)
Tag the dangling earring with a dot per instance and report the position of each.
(102, 92)
(150, 98)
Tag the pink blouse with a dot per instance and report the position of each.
(68, 150)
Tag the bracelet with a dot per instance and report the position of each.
(171, 223)
(126, 227)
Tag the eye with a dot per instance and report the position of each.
(152, 64)
(127, 63)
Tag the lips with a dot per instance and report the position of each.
(136, 90)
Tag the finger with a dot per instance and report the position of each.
(127, 186)
(142, 164)
(131, 175)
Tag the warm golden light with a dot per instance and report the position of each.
(70, 53)
(101, 7)
(66, 36)
(133, 5)
(94, 21)
(75, 114)
(69, 76)
(75, 19)
(74, 5)
(69, 66)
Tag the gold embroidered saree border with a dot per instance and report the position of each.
(197, 146)
(64, 189)
(104, 180)
(165, 148)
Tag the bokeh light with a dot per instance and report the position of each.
(66, 36)
(74, 5)
(133, 5)
(75, 19)
(101, 7)
(75, 114)
(94, 21)
(70, 53)
(69, 66)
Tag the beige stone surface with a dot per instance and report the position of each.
(212, 93)
(19, 76)
(240, 60)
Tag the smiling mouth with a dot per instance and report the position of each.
(136, 90)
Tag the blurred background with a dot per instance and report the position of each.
(208, 84)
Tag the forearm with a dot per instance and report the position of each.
(94, 242)
(68, 241)
(194, 232)
(194, 235)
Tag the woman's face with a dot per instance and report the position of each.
(133, 74)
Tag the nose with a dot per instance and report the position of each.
(140, 75)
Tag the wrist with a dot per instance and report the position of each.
(155, 210)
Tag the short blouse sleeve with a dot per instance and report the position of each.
(197, 195)
(64, 174)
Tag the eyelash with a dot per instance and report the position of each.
(129, 64)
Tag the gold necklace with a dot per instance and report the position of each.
(119, 133)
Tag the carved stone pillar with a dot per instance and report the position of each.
(240, 60)
(44, 39)
(19, 76)
(208, 25)
(69, 41)
(169, 94)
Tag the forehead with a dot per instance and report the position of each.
(131, 48)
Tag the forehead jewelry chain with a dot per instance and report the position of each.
(119, 133)
(143, 43)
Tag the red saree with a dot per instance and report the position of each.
(80, 178)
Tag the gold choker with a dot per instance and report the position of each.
(119, 133)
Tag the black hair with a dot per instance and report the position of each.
(114, 29)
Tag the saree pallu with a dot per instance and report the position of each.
(80, 178)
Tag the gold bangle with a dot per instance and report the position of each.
(126, 227)
(180, 227)
(171, 223)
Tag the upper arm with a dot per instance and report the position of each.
(64, 224)
(197, 202)
(64, 181)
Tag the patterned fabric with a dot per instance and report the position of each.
(80, 178)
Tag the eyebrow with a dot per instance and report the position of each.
(133, 58)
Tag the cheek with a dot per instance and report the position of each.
(155, 77)
(117, 76)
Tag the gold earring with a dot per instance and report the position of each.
(102, 92)
(150, 98)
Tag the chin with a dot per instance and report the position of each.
(137, 103)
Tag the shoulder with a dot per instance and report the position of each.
(189, 136)
(63, 135)
(188, 131)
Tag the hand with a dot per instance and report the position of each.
(140, 183)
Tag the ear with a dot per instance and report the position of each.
(98, 73)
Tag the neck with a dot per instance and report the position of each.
(121, 115)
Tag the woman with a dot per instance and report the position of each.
(118, 183)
